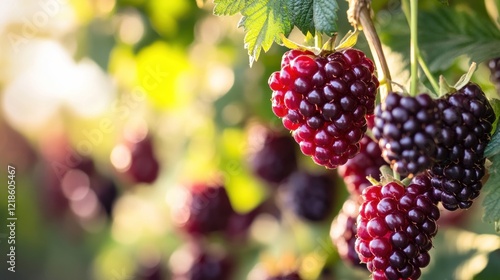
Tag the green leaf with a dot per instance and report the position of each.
(493, 147)
(444, 35)
(302, 13)
(325, 16)
(315, 15)
(264, 22)
(491, 193)
(449, 33)
(228, 7)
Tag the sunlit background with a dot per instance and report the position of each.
(86, 85)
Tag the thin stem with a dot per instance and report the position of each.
(375, 45)
(414, 46)
(435, 85)
(428, 74)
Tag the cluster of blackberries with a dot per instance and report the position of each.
(446, 136)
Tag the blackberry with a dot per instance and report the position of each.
(239, 224)
(323, 100)
(494, 66)
(467, 121)
(136, 160)
(343, 232)
(207, 209)
(200, 264)
(366, 163)
(273, 157)
(309, 196)
(106, 191)
(407, 129)
(395, 227)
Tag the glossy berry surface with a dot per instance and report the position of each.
(343, 232)
(395, 227)
(467, 121)
(207, 209)
(366, 163)
(407, 129)
(309, 196)
(273, 157)
(323, 100)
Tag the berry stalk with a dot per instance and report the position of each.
(359, 13)
(415, 49)
(414, 46)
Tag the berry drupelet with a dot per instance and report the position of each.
(394, 229)
(366, 163)
(323, 100)
(407, 129)
(467, 122)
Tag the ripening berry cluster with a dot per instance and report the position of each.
(323, 101)
(327, 101)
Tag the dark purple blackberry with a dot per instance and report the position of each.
(395, 227)
(200, 264)
(407, 129)
(494, 66)
(238, 224)
(289, 276)
(69, 180)
(136, 160)
(467, 122)
(207, 209)
(366, 163)
(106, 191)
(273, 156)
(309, 196)
(323, 100)
(343, 232)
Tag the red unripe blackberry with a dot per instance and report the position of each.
(366, 163)
(467, 122)
(309, 196)
(343, 232)
(323, 100)
(395, 227)
(272, 155)
(207, 209)
(407, 129)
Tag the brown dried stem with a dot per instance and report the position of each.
(359, 15)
